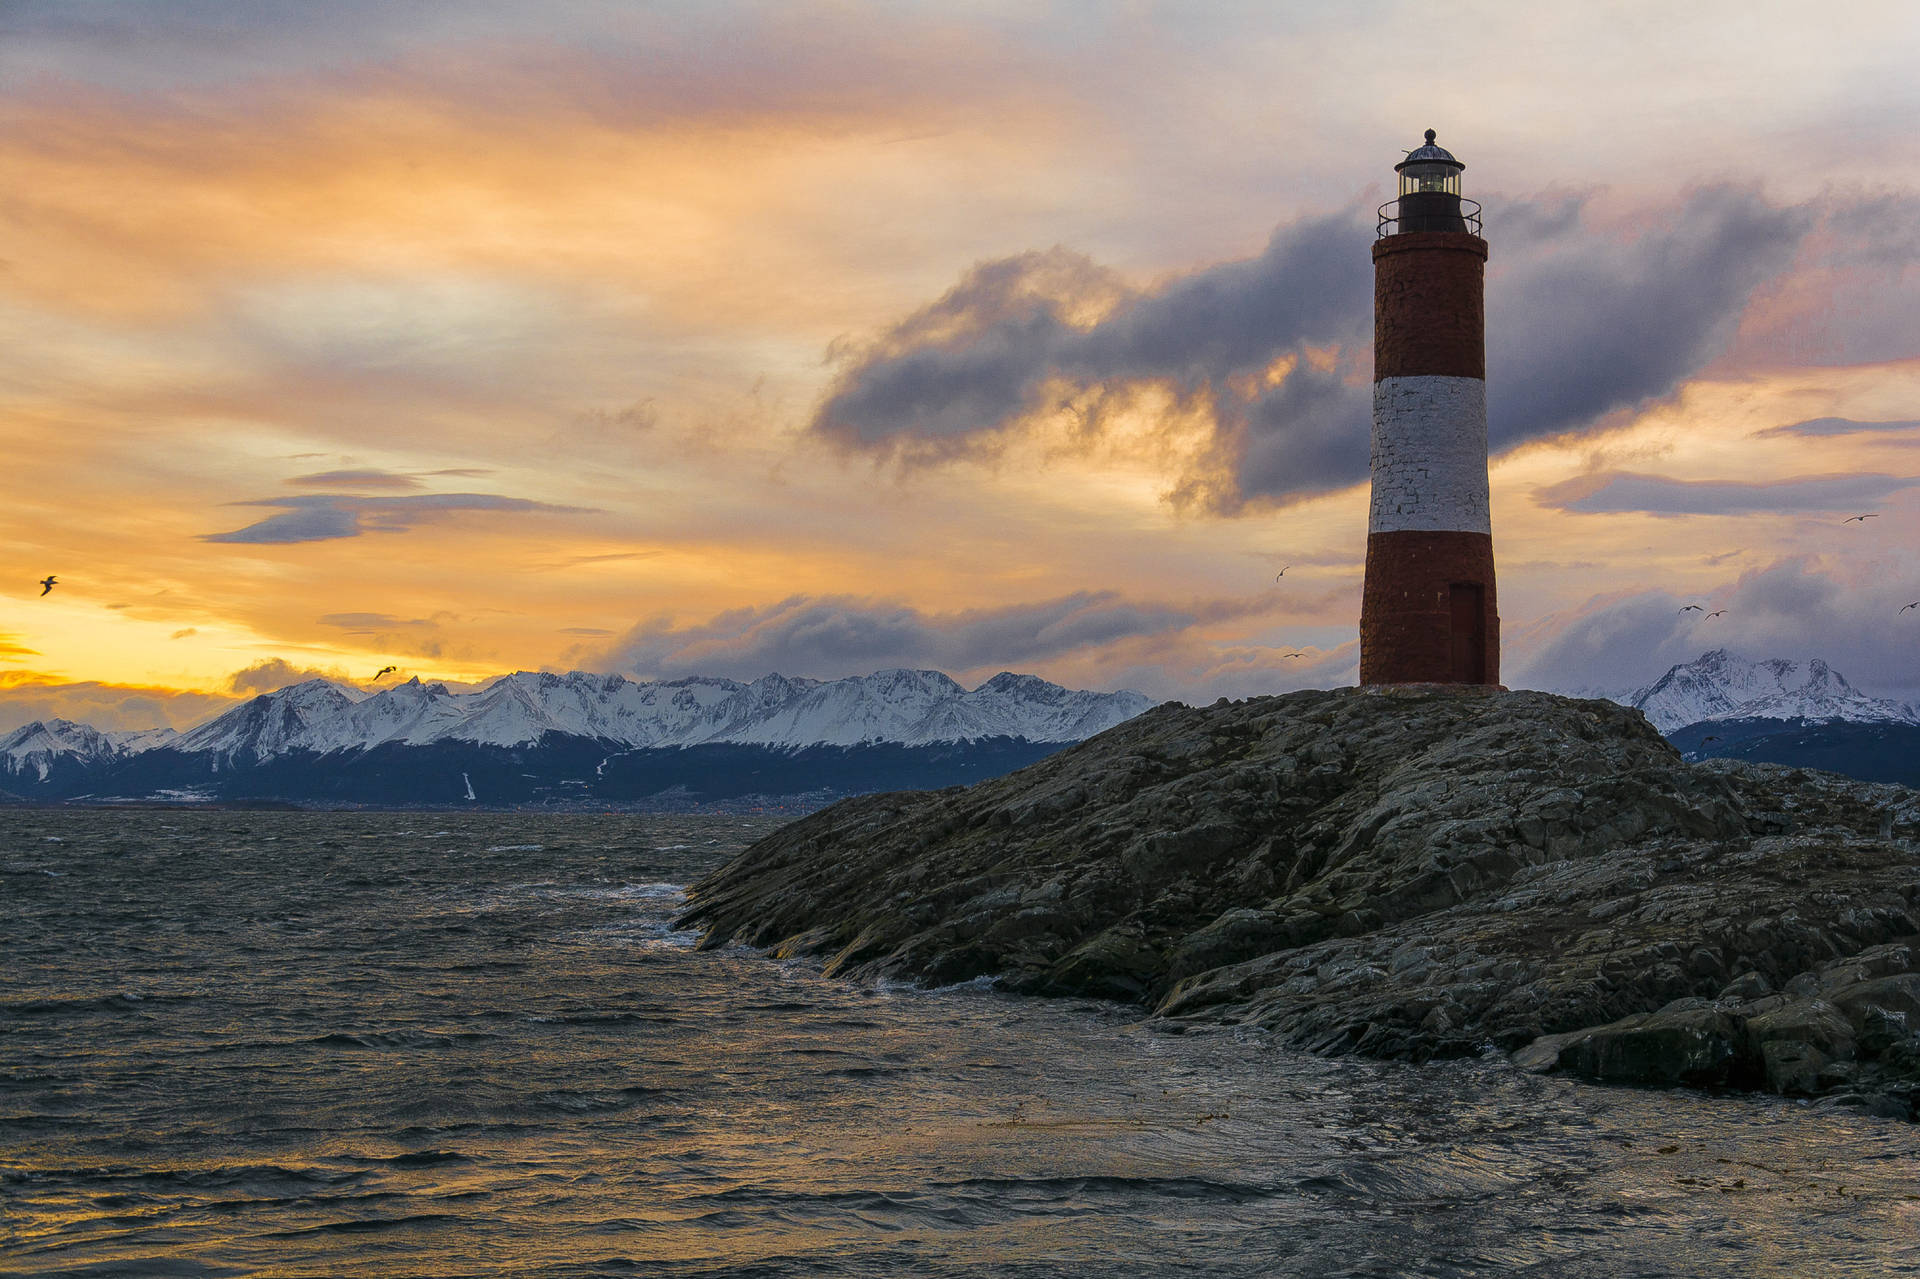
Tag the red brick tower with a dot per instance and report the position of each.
(1427, 614)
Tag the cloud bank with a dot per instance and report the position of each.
(1792, 608)
(107, 706)
(832, 636)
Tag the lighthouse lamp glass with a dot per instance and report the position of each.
(1417, 179)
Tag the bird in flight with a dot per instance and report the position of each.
(1705, 740)
(1287, 655)
(1915, 604)
(385, 670)
(1282, 573)
(1693, 608)
(1855, 519)
(1718, 613)
(46, 583)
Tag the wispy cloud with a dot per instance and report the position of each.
(609, 557)
(360, 479)
(1830, 426)
(366, 622)
(318, 518)
(1621, 491)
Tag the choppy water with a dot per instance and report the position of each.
(379, 1045)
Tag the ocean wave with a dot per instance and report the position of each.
(118, 1001)
(397, 1039)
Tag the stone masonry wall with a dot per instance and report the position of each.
(1405, 616)
(1429, 455)
(1428, 525)
(1429, 311)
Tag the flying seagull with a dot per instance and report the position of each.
(1855, 519)
(385, 670)
(1693, 608)
(1705, 740)
(1915, 604)
(1287, 655)
(1718, 613)
(1282, 573)
(46, 583)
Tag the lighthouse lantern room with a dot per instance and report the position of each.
(1429, 197)
(1428, 612)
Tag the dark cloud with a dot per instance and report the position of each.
(828, 637)
(319, 518)
(1615, 491)
(1820, 426)
(361, 479)
(585, 630)
(1013, 338)
(1581, 324)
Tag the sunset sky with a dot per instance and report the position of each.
(728, 338)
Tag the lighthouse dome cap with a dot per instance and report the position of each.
(1429, 154)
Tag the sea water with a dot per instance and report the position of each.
(429, 1044)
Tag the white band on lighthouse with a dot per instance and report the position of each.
(1429, 455)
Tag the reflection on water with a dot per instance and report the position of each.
(396, 1044)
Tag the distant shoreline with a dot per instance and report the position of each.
(794, 806)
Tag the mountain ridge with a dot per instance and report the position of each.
(1718, 685)
(549, 722)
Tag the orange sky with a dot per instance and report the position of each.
(470, 338)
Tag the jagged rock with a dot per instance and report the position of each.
(1407, 874)
(1688, 1042)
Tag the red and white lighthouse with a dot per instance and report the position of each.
(1428, 613)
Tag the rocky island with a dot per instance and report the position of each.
(1407, 873)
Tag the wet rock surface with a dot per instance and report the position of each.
(1404, 874)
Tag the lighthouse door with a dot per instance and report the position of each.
(1467, 603)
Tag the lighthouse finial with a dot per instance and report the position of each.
(1430, 137)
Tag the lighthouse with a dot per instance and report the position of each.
(1427, 612)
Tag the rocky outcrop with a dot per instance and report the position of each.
(1407, 874)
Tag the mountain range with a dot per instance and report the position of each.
(533, 737)
(580, 739)
(1803, 714)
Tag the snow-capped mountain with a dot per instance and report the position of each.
(38, 748)
(1720, 686)
(913, 708)
(133, 741)
(287, 719)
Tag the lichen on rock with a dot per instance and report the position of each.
(1408, 876)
